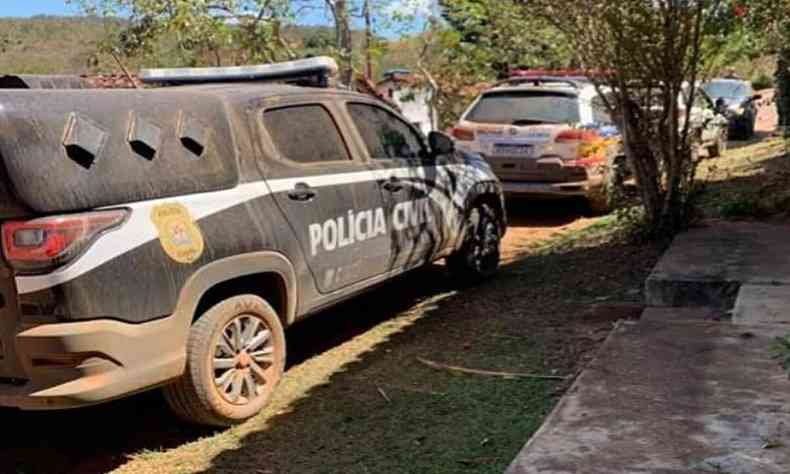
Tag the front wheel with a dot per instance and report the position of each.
(235, 359)
(479, 255)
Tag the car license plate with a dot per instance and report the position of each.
(515, 150)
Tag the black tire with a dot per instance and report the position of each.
(196, 397)
(479, 255)
(599, 201)
(719, 148)
(604, 199)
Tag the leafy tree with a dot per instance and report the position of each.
(770, 21)
(200, 31)
(494, 36)
(477, 41)
(646, 58)
(341, 14)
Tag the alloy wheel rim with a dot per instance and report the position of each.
(485, 244)
(243, 360)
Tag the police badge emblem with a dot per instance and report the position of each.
(179, 234)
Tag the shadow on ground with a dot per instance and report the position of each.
(338, 426)
(758, 137)
(527, 213)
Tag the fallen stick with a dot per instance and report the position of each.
(414, 390)
(384, 394)
(489, 373)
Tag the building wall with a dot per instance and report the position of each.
(414, 104)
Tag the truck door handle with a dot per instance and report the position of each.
(392, 185)
(302, 193)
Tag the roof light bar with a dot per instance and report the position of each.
(321, 68)
(539, 80)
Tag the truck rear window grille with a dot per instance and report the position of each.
(83, 140)
(145, 138)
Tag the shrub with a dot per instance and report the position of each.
(781, 351)
(763, 81)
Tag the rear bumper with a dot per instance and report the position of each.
(546, 190)
(70, 365)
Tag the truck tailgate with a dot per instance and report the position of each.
(10, 206)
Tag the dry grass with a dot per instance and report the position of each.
(751, 181)
(368, 405)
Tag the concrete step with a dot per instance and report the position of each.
(690, 314)
(760, 304)
(671, 397)
(707, 265)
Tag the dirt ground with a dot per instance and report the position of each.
(357, 399)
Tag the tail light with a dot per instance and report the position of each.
(44, 244)
(573, 136)
(464, 134)
(590, 150)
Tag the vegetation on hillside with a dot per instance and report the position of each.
(73, 45)
(51, 45)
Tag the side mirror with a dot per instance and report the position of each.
(440, 143)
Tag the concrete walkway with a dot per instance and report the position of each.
(686, 389)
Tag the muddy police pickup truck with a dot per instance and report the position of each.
(165, 237)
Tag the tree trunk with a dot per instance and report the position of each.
(344, 41)
(783, 88)
(368, 41)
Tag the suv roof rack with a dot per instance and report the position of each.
(314, 72)
(539, 80)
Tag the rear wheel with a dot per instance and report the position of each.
(235, 360)
(599, 201)
(603, 199)
(479, 256)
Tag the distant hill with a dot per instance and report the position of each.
(49, 45)
(67, 45)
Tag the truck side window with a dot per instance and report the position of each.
(385, 135)
(305, 134)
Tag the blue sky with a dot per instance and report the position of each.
(34, 7)
(26, 8)
(423, 8)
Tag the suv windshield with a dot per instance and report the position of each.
(727, 89)
(526, 108)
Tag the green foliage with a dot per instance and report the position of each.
(477, 42)
(763, 81)
(71, 45)
(780, 350)
(195, 32)
(769, 22)
(493, 36)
